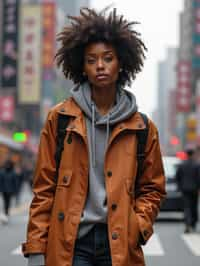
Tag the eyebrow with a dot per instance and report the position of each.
(105, 52)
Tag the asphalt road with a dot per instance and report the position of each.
(168, 245)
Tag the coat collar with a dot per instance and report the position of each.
(135, 122)
(70, 108)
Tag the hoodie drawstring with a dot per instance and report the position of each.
(93, 137)
(107, 131)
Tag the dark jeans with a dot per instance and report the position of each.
(6, 202)
(191, 208)
(93, 249)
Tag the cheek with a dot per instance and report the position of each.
(115, 72)
(89, 71)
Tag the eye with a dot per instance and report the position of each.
(108, 58)
(90, 60)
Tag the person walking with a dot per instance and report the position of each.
(8, 187)
(187, 176)
(89, 208)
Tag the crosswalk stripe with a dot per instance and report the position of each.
(193, 243)
(153, 247)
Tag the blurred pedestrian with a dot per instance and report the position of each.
(20, 180)
(197, 158)
(8, 188)
(187, 176)
(92, 210)
(28, 169)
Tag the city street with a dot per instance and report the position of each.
(168, 245)
(94, 96)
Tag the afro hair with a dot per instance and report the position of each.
(93, 27)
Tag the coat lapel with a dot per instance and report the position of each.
(135, 122)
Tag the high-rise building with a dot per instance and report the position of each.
(166, 87)
(188, 75)
(184, 73)
(1, 25)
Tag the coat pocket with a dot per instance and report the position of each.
(133, 230)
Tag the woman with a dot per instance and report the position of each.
(88, 216)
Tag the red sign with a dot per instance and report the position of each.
(49, 20)
(7, 108)
(183, 96)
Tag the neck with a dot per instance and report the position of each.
(104, 98)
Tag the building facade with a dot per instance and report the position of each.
(166, 88)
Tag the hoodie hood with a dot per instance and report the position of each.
(125, 105)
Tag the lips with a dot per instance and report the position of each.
(101, 76)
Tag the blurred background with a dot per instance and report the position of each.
(168, 90)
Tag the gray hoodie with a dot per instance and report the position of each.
(98, 132)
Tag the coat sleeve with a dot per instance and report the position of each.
(43, 191)
(151, 186)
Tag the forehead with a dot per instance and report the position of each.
(99, 48)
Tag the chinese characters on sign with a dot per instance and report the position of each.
(48, 34)
(7, 108)
(9, 43)
(183, 86)
(49, 23)
(30, 55)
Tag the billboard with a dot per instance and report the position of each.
(49, 24)
(183, 96)
(7, 108)
(49, 20)
(29, 85)
(9, 38)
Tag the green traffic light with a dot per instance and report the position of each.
(20, 137)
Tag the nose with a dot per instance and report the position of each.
(100, 64)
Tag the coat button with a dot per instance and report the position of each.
(114, 236)
(145, 232)
(109, 173)
(140, 125)
(65, 179)
(114, 206)
(62, 110)
(61, 216)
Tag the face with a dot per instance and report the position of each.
(101, 64)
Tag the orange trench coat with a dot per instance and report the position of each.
(56, 209)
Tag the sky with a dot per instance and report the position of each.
(159, 28)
